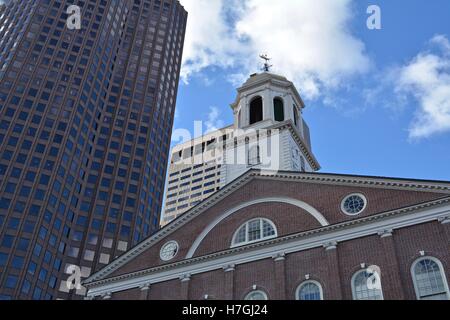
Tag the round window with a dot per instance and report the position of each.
(169, 251)
(354, 204)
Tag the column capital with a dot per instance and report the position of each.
(386, 233)
(332, 245)
(281, 256)
(444, 219)
(185, 278)
(145, 286)
(229, 268)
(107, 296)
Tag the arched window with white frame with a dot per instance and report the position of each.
(309, 291)
(429, 279)
(254, 231)
(364, 287)
(257, 295)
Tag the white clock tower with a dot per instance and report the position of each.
(270, 133)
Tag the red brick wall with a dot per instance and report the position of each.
(287, 218)
(210, 283)
(298, 265)
(133, 294)
(169, 290)
(352, 254)
(325, 198)
(260, 273)
(429, 237)
(406, 245)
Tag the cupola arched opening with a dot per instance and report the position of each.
(256, 110)
(278, 107)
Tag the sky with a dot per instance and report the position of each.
(377, 100)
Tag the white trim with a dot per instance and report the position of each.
(264, 250)
(317, 283)
(363, 197)
(352, 283)
(441, 270)
(303, 205)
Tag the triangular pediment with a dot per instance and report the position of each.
(397, 194)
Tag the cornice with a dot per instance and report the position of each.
(263, 133)
(306, 151)
(368, 182)
(263, 78)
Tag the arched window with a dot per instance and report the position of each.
(363, 287)
(254, 231)
(278, 107)
(429, 280)
(309, 291)
(254, 156)
(256, 295)
(256, 110)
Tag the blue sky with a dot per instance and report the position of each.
(378, 101)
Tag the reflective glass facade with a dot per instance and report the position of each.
(85, 124)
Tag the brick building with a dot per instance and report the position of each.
(294, 235)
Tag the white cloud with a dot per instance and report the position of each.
(213, 123)
(309, 41)
(427, 79)
(209, 39)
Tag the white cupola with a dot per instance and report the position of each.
(270, 132)
(266, 99)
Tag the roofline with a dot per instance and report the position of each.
(362, 181)
(273, 78)
(349, 175)
(200, 138)
(310, 157)
(312, 160)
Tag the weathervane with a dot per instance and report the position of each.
(266, 59)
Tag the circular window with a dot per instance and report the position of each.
(169, 251)
(354, 204)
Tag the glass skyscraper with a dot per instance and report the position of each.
(86, 117)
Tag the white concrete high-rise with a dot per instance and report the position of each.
(268, 133)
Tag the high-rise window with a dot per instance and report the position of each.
(85, 122)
